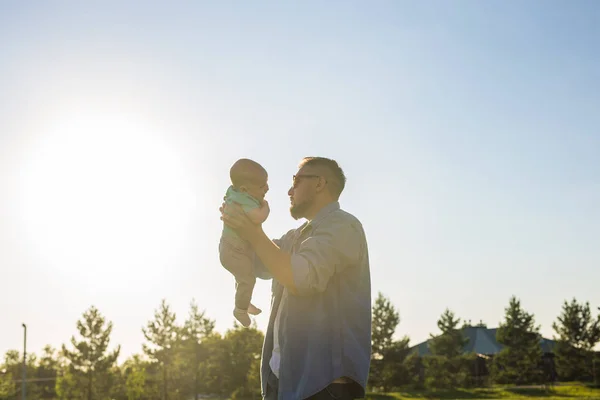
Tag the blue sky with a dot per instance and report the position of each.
(468, 131)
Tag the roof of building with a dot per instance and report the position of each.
(483, 341)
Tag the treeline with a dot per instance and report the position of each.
(520, 362)
(180, 361)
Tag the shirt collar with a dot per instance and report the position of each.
(323, 212)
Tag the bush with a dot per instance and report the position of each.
(446, 373)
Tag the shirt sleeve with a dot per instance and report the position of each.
(260, 271)
(333, 246)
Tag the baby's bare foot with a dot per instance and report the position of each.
(252, 309)
(242, 316)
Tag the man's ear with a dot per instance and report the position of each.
(321, 184)
(243, 189)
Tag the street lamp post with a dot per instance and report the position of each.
(24, 379)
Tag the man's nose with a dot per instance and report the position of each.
(290, 191)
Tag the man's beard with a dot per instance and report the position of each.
(298, 211)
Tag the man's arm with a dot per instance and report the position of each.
(260, 270)
(276, 261)
(334, 245)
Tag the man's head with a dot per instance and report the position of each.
(318, 182)
(249, 177)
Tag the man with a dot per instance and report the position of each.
(318, 341)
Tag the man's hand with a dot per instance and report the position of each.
(236, 218)
(264, 206)
(260, 214)
(274, 259)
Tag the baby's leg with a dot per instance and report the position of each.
(244, 286)
(240, 262)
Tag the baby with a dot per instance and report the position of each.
(248, 189)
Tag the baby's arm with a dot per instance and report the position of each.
(259, 215)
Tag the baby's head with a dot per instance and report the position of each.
(249, 177)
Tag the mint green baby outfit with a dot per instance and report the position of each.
(243, 199)
(236, 254)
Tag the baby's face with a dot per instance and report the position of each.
(258, 186)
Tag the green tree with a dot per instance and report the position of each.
(70, 386)
(138, 379)
(162, 334)
(394, 372)
(243, 347)
(196, 329)
(47, 373)
(229, 368)
(447, 367)
(89, 362)
(451, 342)
(8, 388)
(578, 333)
(212, 366)
(415, 371)
(134, 371)
(385, 352)
(13, 366)
(135, 384)
(384, 321)
(9, 370)
(253, 378)
(519, 361)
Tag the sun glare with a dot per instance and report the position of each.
(105, 194)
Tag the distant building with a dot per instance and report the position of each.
(482, 341)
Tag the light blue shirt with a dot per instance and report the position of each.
(324, 331)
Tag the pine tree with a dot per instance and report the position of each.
(519, 361)
(451, 342)
(388, 367)
(195, 330)
(578, 333)
(446, 367)
(383, 325)
(162, 334)
(213, 367)
(90, 360)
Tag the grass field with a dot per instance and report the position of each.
(562, 392)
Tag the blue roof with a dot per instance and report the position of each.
(481, 341)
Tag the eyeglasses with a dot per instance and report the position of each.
(296, 178)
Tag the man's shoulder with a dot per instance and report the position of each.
(288, 236)
(342, 217)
